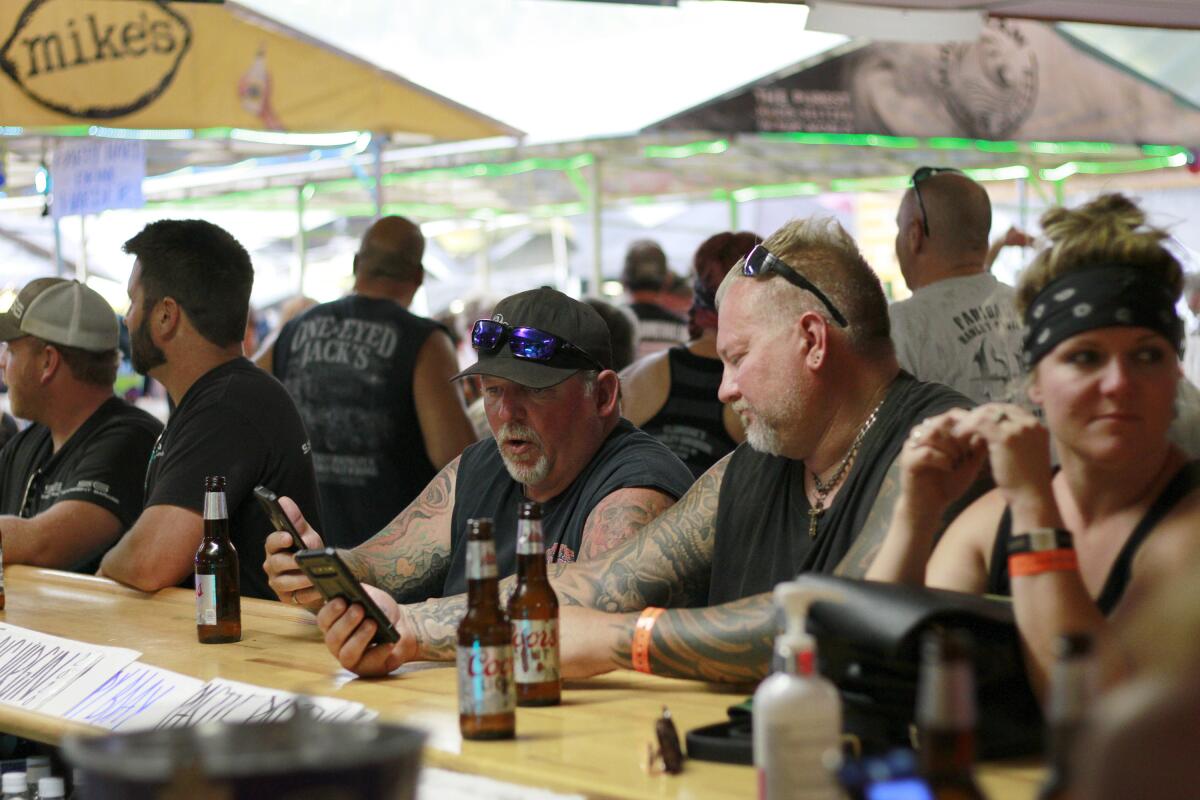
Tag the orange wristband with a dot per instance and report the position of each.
(641, 638)
(1035, 563)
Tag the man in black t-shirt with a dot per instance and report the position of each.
(810, 368)
(552, 403)
(189, 297)
(71, 482)
(373, 385)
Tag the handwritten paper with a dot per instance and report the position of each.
(441, 784)
(222, 700)
(137, 697)
(34, 667)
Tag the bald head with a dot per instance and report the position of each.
(391, 248)
(959, 218)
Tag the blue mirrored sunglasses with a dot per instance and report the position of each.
(532, 344)
(761, 262)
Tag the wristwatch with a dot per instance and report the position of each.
(1038, 540)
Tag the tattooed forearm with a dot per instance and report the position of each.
(619, 517)
(665, 563)
(730, 643)
(866, 545)
(410, 557)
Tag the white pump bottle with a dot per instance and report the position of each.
(797, 712)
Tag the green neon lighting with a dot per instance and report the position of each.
(1064, 171)
(1060, 148)
(853, 139)
(883, 184)
(1165, 150)
(983, 145)
(747, 193)
(712, 148)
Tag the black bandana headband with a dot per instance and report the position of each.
(1098, 297)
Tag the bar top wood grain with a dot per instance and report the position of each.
(594, 743)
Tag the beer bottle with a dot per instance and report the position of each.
(946, 717)
(218, 604)
(1070, 690)
(1, 574)
(533, 609)
(486, 694)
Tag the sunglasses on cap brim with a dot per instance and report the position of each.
(531, 344)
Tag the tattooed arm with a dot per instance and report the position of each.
(870, 538)
(665, 563)
(618, 517)
(409, 558)
(729, 643)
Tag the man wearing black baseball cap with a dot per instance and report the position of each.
(552, 402)
(70, 483)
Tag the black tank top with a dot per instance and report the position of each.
(1184, 481)
(349, 367)
(691, 422)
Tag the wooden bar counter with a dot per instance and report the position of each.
(592, 744)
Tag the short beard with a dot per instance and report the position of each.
(144, 354)
(762, 437)
(527, 475)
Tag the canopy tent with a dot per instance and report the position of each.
(153, 65)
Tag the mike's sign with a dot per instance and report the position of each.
(95, 60)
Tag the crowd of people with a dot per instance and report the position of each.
(1025, 441)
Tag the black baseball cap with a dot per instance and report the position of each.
(553, 312)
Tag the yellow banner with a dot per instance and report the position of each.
(149, 64)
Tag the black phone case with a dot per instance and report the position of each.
(333, 578)
(270, 504)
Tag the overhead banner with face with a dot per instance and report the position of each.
(150, 64)
(1021, 81)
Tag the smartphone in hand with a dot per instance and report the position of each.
(333, 579)
(270, 503)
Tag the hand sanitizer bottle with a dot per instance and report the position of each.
(797, 712)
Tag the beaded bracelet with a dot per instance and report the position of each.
(640, 655)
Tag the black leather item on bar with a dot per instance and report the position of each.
(868, 645)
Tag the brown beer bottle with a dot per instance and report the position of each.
(533, 609)
(1070, 691)
(1, 575)
(487, 698)
(218, 603)
(946, 717)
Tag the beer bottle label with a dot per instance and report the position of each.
(206, 599)
(535, 650)
(214, 506)
(529, 537)
(481, 560)
(485, 684)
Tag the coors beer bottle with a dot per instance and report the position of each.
(533, 609)
(486, 694)
(1070, 691)
(946, 717)
(218, 604)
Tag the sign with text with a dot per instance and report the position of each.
(90, 176)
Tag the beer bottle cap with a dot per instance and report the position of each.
(214, 483)
(480, 528)
(529, 509)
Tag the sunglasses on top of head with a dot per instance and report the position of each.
(924, 174)
(532, 344)
(760, 261)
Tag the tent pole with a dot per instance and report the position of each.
(301, 243)
(81, 269)
(484, 268)
(377, 146)
(58, 259)
(597, 233)
(1022, 203)
(562, 267)
(733, 213)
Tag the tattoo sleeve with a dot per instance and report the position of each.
(409, 558)
(729, 643)
(667, 562)
(866, 545)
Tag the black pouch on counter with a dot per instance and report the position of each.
(869, 646)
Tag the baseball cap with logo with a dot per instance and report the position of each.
(61, 312)
(574, 324)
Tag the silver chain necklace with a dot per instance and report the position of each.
(823, 489)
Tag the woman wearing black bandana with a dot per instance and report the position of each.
(1102, 345)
